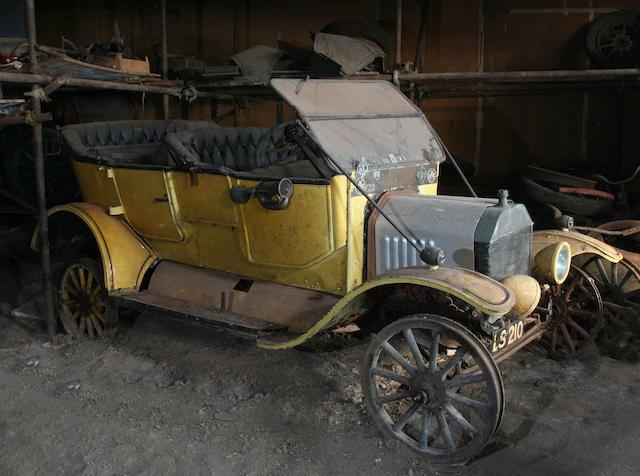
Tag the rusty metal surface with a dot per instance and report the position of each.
(627, 74)
(162, 304)
(296, 308)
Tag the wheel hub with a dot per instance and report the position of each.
(622, 42)
(430, 389)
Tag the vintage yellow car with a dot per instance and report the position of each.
(328, 224)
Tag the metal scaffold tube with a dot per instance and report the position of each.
(40, 178)
(165, 63)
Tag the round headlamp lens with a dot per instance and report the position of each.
(562, 263)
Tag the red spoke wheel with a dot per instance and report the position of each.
(83, 306)
(575, 318)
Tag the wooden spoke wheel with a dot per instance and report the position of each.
(83, 306)
(625, 237)
(575, 317)
(431, 384)
(618, 283)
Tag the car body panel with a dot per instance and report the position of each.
(479, 291)
(125, 257)
(579, 243)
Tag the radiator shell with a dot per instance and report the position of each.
(474, 234)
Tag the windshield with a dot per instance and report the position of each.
(355, 121)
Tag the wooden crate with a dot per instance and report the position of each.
(125, 64)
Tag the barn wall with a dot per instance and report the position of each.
(498, 135)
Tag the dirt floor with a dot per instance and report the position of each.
(172, 398)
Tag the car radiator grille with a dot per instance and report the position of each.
(506, 256)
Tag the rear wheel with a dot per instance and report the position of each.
(84, 308)
(431, 384)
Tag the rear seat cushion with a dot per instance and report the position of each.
(238, 148)
(125, 141)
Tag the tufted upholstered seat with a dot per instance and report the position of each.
(237, 148)
(139, 142)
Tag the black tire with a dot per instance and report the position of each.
(414, 380)
(362, 29)
(82, 302)
(568, 204)
(557, 178)
(612, 40)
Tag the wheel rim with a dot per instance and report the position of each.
(629, 242)
(616, 42)
(82, 303)
(575, 319)
(444, 404)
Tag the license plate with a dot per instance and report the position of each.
(508, 335)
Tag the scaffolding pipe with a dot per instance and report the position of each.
(422, 35)
(515, 76)
(165, 63)
(25, 119)
(38, 154)
(42, 79)
(398, 57)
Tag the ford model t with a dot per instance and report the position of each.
(329, 223)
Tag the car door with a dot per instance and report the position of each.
(148, 204)
(296, 236)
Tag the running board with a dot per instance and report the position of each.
(147, 301)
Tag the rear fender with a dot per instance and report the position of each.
(125, 257)
(580, 244)
(478, 290)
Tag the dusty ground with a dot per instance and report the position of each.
(171, 398)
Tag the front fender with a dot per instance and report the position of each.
(125, 257)
(580, 244)
(478, 290)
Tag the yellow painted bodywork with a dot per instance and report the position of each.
(316, 243)
(579, 243)
(483, 293)
(125, 257)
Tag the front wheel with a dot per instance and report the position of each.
(431, 384)
(84, 308)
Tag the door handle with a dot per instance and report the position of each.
(163, 199)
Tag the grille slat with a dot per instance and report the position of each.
(398, 253)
